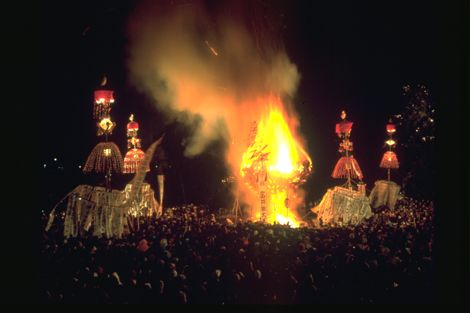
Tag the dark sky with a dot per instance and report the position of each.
(352, 55)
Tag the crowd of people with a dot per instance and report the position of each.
(189, 256)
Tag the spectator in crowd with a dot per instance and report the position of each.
(189, 256)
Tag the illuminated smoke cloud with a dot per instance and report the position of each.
(208, 64)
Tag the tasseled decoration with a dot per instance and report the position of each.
(103, 101)
(104, 156)
(389, 160)
(346, 164)
(132, 160)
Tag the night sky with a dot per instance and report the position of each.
(352, 55)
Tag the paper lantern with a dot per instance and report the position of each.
(132, 160)
(132, 127)
(389, 160)
(105, 126)
(391, 128)
(102, 104)
(343, 127)
(347, 165)
(104, 96)
(133, 142)
(104, 156)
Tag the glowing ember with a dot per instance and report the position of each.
(212, 49)
(275, 165)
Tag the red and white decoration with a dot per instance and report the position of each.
(135, 155)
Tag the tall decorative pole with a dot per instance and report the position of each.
(105, 156)
(134, 155)
(389, 159)
(346, 167)
(386, 192)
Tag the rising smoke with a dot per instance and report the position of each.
(208, 65)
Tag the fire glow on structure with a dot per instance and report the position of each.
(275, 165)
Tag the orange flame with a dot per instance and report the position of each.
(276, 159)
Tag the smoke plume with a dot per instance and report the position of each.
(209, 65)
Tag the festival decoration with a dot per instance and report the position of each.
(135, 155)
(343, 205)
(106, 212)
(145, 205)
(347, 166)
(139, 176)
(132, 127)
(105, 127)
(104, 156)
(102, 103)
(386, 192)
(389, 159)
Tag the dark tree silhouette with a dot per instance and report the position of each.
(417, 143)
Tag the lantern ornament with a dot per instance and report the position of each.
(105, 157)
(132, 127)
(102, 104)
(133, 143)
(390, 128)
(135, 155)
(343, 128)
(105, 126)
(389, 159)
(347, 166)
(132, 160)
(102, 111)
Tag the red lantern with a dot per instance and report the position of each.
(102, 96)
(389, 160)
(132, 161)
(343, 127)
(103, 101)
(132, 127)
(391, 128)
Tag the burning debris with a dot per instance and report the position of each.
(211, 48)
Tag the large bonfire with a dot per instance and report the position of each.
(274, 165)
